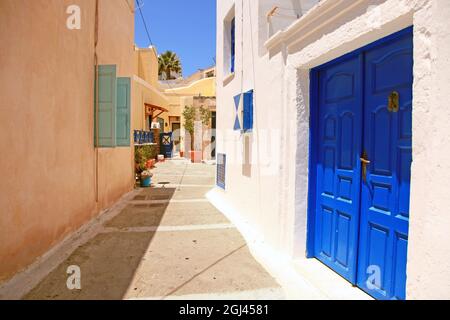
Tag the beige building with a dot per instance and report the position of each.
(197, 90)
(53, 177)
(150, 101)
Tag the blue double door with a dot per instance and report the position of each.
(363, 163)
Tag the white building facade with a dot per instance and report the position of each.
(332, 135)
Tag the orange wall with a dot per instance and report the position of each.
(48, 167)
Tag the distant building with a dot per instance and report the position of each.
(198, 90)
(150, 103)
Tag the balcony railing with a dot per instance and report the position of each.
(143, 137)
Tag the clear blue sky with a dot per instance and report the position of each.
(187, 27)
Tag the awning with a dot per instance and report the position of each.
(150, 109)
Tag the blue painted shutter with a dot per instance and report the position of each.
(237, 103)
(123, 112)
(105, 119)
(248, 111)
(233, 44)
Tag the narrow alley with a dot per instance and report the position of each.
(224, 150)
(166, 242)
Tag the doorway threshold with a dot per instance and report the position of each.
(332, 285)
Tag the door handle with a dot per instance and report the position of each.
(364, 164)
(365, 161)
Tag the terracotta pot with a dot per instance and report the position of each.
(181, 154)
(196, 156)
(150, 164)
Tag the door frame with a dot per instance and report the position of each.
(314, 126)
(179, 135)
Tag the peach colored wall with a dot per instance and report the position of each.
(146, 87)
(48, 161)
(147, 65)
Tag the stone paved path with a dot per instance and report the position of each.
(166, 243)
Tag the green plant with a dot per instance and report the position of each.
(168, 62)
(139, 160)
(141, 155)
(205, 115)
(189, 115)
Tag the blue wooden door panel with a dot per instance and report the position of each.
(361, 223)
(338, 178)
(166, 141)
(385, 194)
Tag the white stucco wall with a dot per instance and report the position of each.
(272, 200)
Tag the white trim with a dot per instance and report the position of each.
(228, 78)
(303, 27)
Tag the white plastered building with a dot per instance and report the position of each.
(281, 55)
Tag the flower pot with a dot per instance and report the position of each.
(146, 181)
(181, 154)
(196, 156)
(150, 163)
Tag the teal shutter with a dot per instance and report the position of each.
(123, 112)
(105, 118)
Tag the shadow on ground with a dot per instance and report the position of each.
(108, 262)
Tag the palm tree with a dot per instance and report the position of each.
(168, 62)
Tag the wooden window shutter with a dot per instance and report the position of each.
(248, 111)
(105, 115)
(123, 112)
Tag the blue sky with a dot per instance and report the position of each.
(187, 27)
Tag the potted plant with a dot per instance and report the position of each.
(205, 116)
(189, 115)
(146, 178)
(150, 164)
(181, 147)
(141, 158)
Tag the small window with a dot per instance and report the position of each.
(229, 44)
(221, 167)
(233, 44)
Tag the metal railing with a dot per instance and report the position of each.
(142, 137)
